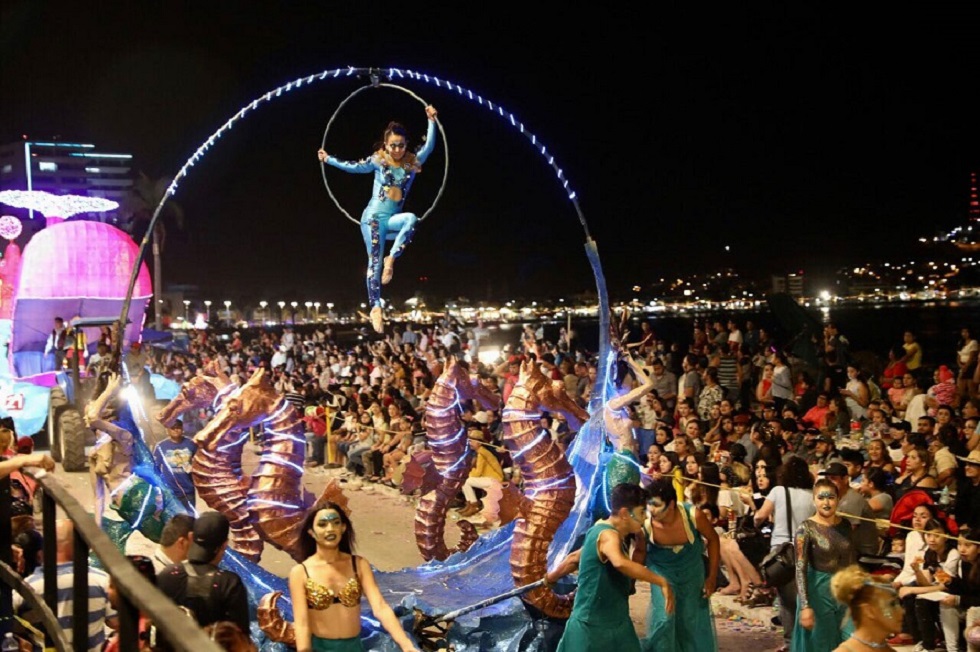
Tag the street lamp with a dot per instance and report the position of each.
(316, 311)
(293, 304)
(187, 305)
(282, 309)
(308, 304)
(207, 306)
(263, 304)
(228, 310)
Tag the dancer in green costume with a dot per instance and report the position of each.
(823, 547)
(675, 550)
(600, 618)
(124, 502)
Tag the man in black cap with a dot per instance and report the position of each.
(824, 453)
(849, 501)
(197, 583)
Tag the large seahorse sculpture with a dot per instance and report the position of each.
(451, 456)
(277, 500)
(549, 481)
(217, 473)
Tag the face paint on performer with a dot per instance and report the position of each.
(886, 608)
(826, 502)
(328, 528)
(657, 509)
(396, 146)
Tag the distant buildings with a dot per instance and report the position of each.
(791, 284)
(65, 168)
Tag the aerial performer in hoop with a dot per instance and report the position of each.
(394, 169)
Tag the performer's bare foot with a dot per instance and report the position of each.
(377, 319)
(388, 271)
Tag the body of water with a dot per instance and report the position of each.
(874, 328)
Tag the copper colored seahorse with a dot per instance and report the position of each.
(549, 481)
(217, 473)
(451, 456)
(277, 500)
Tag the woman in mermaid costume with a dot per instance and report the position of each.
(124, 501)
(394, 169)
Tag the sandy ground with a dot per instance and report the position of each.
(383, 521)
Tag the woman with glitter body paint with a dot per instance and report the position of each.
(823, 547)
(394, 169)
(874, 608)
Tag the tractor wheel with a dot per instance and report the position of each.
(71, 436)
(58, 398)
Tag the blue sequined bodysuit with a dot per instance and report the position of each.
(382, 219)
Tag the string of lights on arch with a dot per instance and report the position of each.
(350, 71)
(390, 74)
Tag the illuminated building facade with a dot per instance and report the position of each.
(64, 168)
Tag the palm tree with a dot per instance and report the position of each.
(145, 195)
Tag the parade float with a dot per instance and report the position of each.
(487, 592)
(73, 269)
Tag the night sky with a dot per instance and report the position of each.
(801, 139)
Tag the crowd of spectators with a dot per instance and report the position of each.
(733, 419)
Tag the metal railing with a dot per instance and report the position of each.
(136, 595)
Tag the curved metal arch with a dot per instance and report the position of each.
(442, 132)
(350, 71)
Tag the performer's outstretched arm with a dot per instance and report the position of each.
(364, 166)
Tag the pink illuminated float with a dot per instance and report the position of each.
(71, 268)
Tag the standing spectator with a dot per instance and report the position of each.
(966, 362)
(57, 343)
(99, 609)
(172, 459)
(782, 381)
(967, 508)
(689, 385)
(175, 541)
(664, 383)
(792, 493)
(212, 594)
(856, 394)
(913, 352)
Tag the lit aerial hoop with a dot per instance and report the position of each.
(375, 84)
(387, 73)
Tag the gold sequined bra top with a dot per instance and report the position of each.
(320, 597)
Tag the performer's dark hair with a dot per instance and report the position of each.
(628, 495)
(306, 542)
(395, 128)
(662, 488)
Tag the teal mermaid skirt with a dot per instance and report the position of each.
(831, 623)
